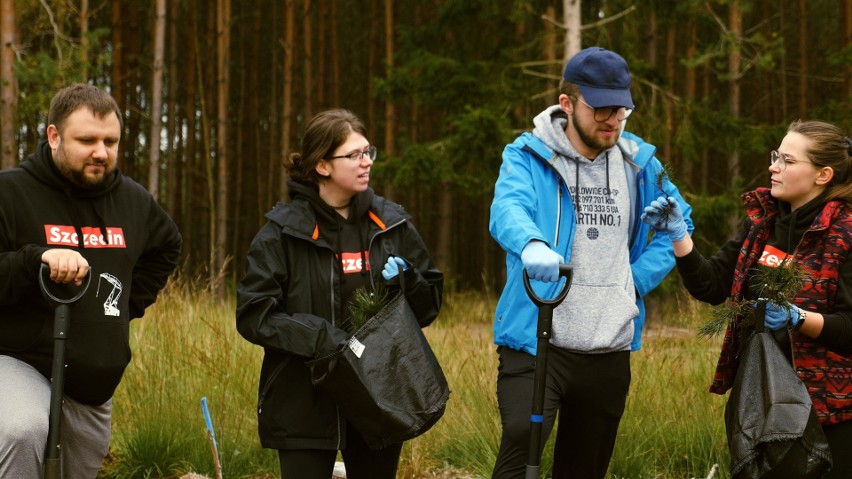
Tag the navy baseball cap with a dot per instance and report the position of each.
(602, 76)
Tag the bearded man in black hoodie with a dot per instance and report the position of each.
(68, 207)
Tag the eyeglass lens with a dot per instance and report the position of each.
(371, 153)
(605, 113)
(359, 155)
(774, 156)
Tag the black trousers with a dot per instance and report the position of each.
(361, 461)
(589, 392)
(840, 441)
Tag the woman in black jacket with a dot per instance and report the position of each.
(304, 265)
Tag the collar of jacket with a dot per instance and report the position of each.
(298, 218)
(761, 207)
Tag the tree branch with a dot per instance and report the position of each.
(599, 23)
(606, 20)
(57, 33)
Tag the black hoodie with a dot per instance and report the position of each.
(130, 243)
(347, 237)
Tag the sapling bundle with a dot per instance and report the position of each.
(364, 305)
(777, 285)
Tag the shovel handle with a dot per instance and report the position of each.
(48, 294)
(567, 272)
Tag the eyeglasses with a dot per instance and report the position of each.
(605, 113)
(371, 153)
(783, 160)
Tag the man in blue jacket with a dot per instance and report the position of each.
(572, 192)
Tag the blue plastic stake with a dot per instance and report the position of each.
(212, 437)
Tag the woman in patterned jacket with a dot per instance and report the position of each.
(805, 216)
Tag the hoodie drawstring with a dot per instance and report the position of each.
(577, 186)
(361, 234)
(338, 250)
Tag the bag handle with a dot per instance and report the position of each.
(328, 369)
(401, 277)
(759, 315)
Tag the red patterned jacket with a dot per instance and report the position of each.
(821, 252)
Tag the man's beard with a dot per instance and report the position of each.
(79, 177)
(590, 140)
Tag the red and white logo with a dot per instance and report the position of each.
(772, 257)
(352, 262)
(61, 235)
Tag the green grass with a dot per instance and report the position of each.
(187, 347)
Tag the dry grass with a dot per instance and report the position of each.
(187, 347)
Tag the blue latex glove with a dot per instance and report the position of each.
(392, 267)
(785, 316)
(541, 262)
(654, 215)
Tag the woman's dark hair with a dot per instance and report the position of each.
(324, 133)
(81, 95)
(828, 147)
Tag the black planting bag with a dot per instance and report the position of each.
(772, 429)
(386, 380)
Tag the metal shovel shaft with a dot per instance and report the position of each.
(52, 455)
(543, 330)
(52, 463)
(545, 321)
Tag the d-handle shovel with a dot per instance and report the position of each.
(62, 308)
(545, 320)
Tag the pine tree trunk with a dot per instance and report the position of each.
(846, 38)
(573, 22)
(84, 37)
(390, 108)
(308, 60)
(803, 58)
(223, 28)
(157, 99)
(8, 95)
(735, 25)
(117, 70)
(287, 111)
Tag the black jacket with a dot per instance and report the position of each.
(130, 243)
(289, 303)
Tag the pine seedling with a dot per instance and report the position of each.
(664, 175)
(722, 316)
(773, 285)
(365, 304)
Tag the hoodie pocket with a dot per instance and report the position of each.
(595, 318)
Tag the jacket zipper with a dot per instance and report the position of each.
(370, 244)
(333, 323)
(558, 213)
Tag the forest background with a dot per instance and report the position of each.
(217, 93)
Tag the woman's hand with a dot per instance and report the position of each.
(392, 267)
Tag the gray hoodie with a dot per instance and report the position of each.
(597, 315)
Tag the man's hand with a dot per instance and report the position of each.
(541, 262)
(66, 265)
